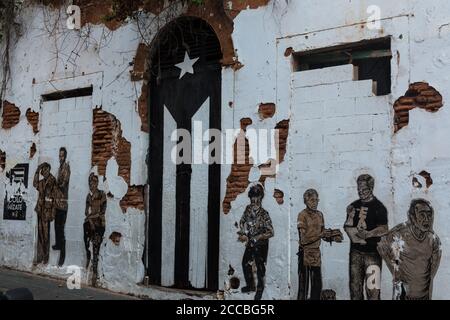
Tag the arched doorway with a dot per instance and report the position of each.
(184, 198)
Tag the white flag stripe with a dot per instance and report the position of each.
(198, 243)
(168, 204)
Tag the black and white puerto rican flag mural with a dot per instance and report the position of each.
(184, 197)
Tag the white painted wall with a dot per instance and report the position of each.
(420, 46)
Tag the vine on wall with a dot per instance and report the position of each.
(163, 11)
(9, 10)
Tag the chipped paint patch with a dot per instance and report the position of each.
(427, 177)
(279, 196)
(33, 120)
(2, 159)
(115, 237)
(238, 180)
(107, 141)
(11, 115)
(134, 198)
(419, 95)
(139, 62)
(32, 150)
(266, 110)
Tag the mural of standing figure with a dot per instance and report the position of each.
(255, 231)
(311, 230)
(367, 221)
(94, 224)
(412, 252)
(45, 210)
(61, 204)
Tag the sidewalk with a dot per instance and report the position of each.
(44, 288)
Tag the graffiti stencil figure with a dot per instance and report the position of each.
(412, 252)
(255, 231)
(94, 224)
(311, 230)
(367, 221)
(45, 210)
(61, 204)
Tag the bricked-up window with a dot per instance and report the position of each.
(372, 57)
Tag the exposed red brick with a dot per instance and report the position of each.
(419, 95)
(266, 110)
(32, 150)
(139, 63)
(143, 108)
(281, 144)
(217, 13)
(288, 52)
(427, 177)
(279, 196)
(268, 166)
(267, 169)
(2, 159)
(237, 66)
(245, 122)
(237, 181)
(107, 141)
(33, 119)
(133, 199)
(11, 115)
(213, 12)
(115, 237)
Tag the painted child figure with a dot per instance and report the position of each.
(255, 231)
(311, 230)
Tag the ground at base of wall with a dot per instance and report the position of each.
(46, 288)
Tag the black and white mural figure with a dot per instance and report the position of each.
(15, 207)
(61, 204)
(45, 209)
(367, 221)
(412, 252)
(311, 230)
(94, 224)
(255, 231)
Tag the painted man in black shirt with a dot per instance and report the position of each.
(367, 221)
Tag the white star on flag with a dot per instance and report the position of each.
(187, 65)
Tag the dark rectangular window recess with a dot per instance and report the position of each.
(372, 57)
(74, 93)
